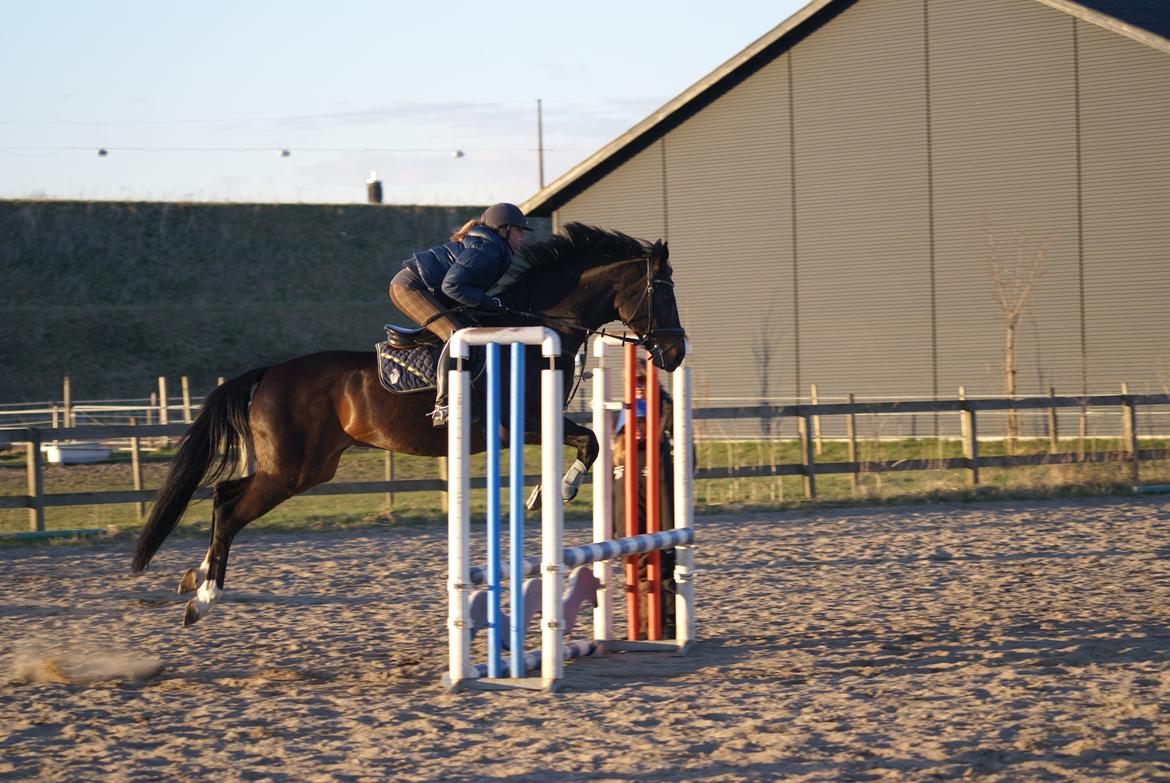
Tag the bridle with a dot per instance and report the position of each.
(649, 339)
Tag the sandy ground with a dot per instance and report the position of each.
(1012, 641)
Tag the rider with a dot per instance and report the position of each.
(433, 282)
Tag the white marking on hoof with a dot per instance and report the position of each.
(192, 577)
(189, 581)
(198, 607)
(572, 480)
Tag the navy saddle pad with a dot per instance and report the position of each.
(403, 370)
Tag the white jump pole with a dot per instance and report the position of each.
(459, 583)
(684, 507)
(602, 492)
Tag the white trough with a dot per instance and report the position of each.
(75, 453)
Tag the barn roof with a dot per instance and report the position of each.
(1146, 21)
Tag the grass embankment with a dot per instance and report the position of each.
(714, 495)
(117, 294)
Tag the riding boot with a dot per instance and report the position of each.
(441, 412)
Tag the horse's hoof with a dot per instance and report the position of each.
(189, 581)
(190, 614)
(572, 480)
(533, 502)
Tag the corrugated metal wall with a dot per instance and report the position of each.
(1003, 131)
(862, 210)
(630, 199)
(1125, 137)
(837, 207)
(730, 233)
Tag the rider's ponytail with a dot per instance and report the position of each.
(458, 235)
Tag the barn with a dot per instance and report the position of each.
(866, 197)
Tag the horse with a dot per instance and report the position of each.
(302, 414)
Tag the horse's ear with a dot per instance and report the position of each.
(658, 255)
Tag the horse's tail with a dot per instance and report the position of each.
(207, 451)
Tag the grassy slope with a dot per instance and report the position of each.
(115, 294)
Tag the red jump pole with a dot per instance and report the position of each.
(653, 500)
(631, 487)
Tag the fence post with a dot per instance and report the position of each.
(36, 511)
(851, 427)
(1053, 433)
(1129, 432)
(163, 418)
(1084, 432)
(136, 470)
(807, 458)
(67, 402)
(816, 421)
(185, 384)
(970, 437)
(388, 470)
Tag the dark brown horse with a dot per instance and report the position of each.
(302, 414)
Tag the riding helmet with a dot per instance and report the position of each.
(503, 214)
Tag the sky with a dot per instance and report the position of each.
(198, 101)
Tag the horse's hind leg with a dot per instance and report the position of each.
(238, 502)
(225, 492)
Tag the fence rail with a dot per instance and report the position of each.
(807, 417)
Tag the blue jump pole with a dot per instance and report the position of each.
(494, 581)
(516, 506)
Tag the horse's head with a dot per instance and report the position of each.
(583, 277)
(648, 307)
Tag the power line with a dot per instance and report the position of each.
(443, 150)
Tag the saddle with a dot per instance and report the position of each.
(407, 359)
(409, 337)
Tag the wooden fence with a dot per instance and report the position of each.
(808, 424)
(806, 416)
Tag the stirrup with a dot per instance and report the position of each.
(440, 415)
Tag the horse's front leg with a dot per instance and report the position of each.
(581, 439)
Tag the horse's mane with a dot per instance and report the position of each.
(576, 248)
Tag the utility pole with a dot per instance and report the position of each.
(540, 142)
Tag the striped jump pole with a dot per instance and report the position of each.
(461, 673)
(633, 616)
(551, 565)
(604, 409)
(653, 504)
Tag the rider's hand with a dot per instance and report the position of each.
(491, 304)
